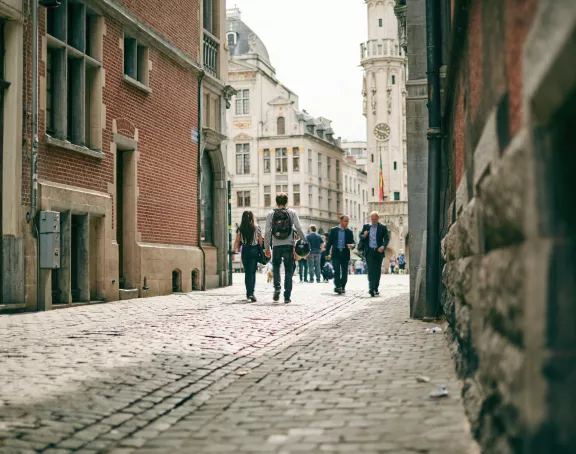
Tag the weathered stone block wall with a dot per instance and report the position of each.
(507, 295)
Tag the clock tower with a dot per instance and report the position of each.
(384, 103)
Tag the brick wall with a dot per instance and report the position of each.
(167, 177)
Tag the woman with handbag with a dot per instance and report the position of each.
(249, 236)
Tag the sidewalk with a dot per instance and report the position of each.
(205, 372)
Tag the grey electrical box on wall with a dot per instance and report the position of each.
(49, 239)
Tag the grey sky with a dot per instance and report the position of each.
(315, 47)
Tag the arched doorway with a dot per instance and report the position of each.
(206, 200)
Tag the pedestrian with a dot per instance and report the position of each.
(359, 266)
(249, 238)
(340, 242)
(374, 238)
(279, 240)
(303, 270)
(392, 265)
(402, 262)
(314, 259)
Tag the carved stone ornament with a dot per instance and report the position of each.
(389, 99)
(228, 92)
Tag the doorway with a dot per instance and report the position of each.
(206, 198)
(3, 85)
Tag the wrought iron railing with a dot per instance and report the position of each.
(211, 48)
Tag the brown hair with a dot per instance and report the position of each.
(247, 227)
(281, 198)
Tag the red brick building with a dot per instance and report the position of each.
(123, 86)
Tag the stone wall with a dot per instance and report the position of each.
(509, 251)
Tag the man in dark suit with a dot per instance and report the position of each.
(374, 239)
(340, 242)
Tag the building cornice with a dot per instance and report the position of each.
(303, 136)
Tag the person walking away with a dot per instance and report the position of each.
(392, 265)
(315, 257)
(375, 238)
(303, 270)
(340, 242)
(359, 266)
(402, 262)
(279, 240)
(249, 236)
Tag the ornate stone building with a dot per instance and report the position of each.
(384, 93)
(274, 145)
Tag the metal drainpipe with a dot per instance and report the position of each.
(434, 159)
(31, 215)
(199, 173)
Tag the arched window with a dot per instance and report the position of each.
(206, 188)
(232, 38)
(281, 126)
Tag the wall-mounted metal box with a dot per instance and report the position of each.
(49, 239)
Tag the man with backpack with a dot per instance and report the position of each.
(279, 237)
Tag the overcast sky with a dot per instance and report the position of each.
(314, 45)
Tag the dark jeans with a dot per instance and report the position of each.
(303, 269)
(250, 264)
(283, 254)
(374, 262)
(340, 265)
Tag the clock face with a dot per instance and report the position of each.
(382, 132)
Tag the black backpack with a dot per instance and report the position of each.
(281, 224)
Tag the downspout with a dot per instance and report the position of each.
(199, 182)
(31, 215)
(434, 159)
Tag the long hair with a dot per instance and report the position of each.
(247, 226)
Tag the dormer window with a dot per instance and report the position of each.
(281, 126)
(232, 38)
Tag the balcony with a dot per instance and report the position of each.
(376, 48)
(211, 48)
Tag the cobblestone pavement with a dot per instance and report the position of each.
(207, 372)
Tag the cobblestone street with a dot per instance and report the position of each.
(208, 372)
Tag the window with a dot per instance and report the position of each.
(328, 167)
(346, 205)
(395, 165)
(243, 198)
(243, 102)
(49, 91)
(232, 38)
(135, 60)
(266, 157)
(281, 160)
(346, 182)
(338, 203)
(208, 10)
(358, 190)
(73, 76)
(393, 80)
(281, 188)
(296, 195)
(372, 192)
(372, 157)
(319, 198)
(310, 161)
(329, 200)
(337, 171)
(281, 126)
(310, 196)
(379, 22)
(319, 165)
(267, 196)
(396, 196)
(296, 159)
(242, 158)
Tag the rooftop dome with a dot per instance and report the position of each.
(241, 39)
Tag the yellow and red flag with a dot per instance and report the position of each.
(381, 183)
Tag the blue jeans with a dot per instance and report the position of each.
(283, 254)
(303, 269)
(314, 266)
(250, 264)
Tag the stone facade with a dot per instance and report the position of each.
(509, 251)
(355, 195)
(274, 145)
(384, 102)
(119, 94)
